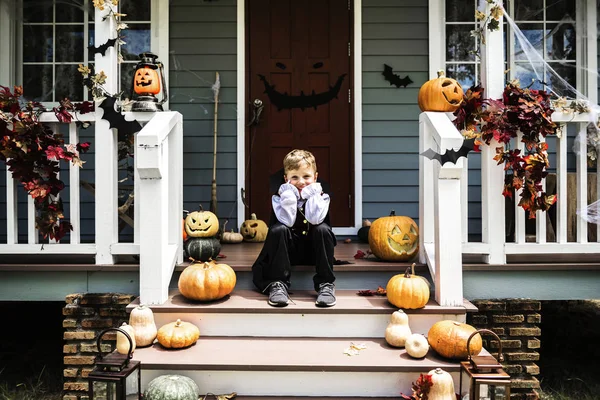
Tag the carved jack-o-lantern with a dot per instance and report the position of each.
(146, 81)
(254, 230)
(394, 238)
(440, 94)
(201, 224)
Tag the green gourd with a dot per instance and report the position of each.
(172, 387)
(202, 249)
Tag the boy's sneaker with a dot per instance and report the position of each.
(278, 295)
(326, 296)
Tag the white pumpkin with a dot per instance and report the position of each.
(416, 345)
(123, 342)
(141, 319)
(442, 387)
(397, 330)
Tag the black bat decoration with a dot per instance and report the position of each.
(451, 155)
(102, 49)
(394, 79)
(116, 119)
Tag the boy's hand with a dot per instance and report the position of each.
(289, 187)
(311, 190)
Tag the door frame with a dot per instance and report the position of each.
(242, 107)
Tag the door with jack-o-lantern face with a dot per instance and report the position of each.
(299, 67)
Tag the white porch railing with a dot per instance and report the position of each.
(158, 197)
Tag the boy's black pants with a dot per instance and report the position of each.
(285, 247)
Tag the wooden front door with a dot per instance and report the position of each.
(299, 67)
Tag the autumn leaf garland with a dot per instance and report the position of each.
(521, 110)
(32, 153)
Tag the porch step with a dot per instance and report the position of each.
(292, 366)
(246, 313)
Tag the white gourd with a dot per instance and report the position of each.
(416, 345)
(442, 387)
(123, 342)
(397, 330)
(142, 321)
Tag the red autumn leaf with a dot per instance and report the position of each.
(381, 291)
(360, 254)
(365, 293)
(221, 256)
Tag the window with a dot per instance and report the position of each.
(55, 38)
(549, 25)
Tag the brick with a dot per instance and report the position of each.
(107, 298)
(80, 335)
(534, 319)
(70, 323)
(76, 386)
(79, 360)
(85, 372)
(532, 369)
(71, 310)
(520, 356)
(70, 372)
(523, 305)
(525, 383)
(488, 305)
(525, 331)
(508, 319)
(70, 348)
(506, 344)
(498, 331)
(97, 323)
(118, 312)
(513, 369)
(91, 348)
(479, 319)
(533, 344)
(70, 397)
(73, 298)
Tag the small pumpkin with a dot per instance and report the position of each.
(122, 341)
(172, 387)
(178, 334)
(408, 290)
(416, 345)
(231, 237)
(201, 224)
(363, 232)
(440, 94)
(449, 339)
(202, 249)
(394, 238)
(185, 235)
(141, 319)
(206, 281)
(397, 331)
(146, 81)
(442, 387)
(254, 229)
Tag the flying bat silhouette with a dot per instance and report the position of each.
(451, 155)
(116, 119)
(102, 49)
(394, 79)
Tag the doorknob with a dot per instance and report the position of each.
(257, 108)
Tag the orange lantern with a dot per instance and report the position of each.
(148, 81)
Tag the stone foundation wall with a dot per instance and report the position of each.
(517, 323)
(86, 315)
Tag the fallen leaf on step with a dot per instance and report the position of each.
(354, 349)
(219, 396)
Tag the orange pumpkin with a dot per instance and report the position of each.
(254, 229)
(207, 281)
(449, 339)
(146, 81)
(408, 290)
(185, 235)
(440, 94)
(394, 238)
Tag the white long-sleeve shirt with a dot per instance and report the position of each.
(286, 204)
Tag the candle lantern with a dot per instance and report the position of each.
(115, 376)
(482, 377)
(148, 81)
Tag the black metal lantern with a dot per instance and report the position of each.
(148, 81)
(482, 377)
(115, 376)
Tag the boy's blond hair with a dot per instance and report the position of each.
(296, 157)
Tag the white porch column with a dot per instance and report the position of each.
(106, 145)
(492, 175)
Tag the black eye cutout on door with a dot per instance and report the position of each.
(315, 65)
(280, 65)
(318, 65)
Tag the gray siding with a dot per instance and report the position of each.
(394, 33)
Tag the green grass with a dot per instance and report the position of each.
(570, 380)
(44, 386)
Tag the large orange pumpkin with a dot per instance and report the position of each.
(394, 238)
(146, 81)
(440, 94)
(449, 339)
(408, 290)
(207, 281)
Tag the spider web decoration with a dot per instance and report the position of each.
(591, 213)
